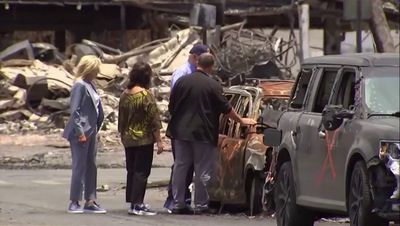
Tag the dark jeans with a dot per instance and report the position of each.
(169, 202)
(138, 166)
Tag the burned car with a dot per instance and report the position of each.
(337, 145)
(243, 158)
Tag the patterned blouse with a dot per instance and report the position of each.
(138, 118)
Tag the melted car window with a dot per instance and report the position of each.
(301, 89)
(224, 119)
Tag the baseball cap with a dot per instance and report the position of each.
(199, 49)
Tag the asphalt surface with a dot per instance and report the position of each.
(40, 198)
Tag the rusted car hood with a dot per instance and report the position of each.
(277, 88)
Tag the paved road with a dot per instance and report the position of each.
(40, 198)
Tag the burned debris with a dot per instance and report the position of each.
(35, 78)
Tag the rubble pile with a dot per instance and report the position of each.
(35, 79)
(34, 94)
(245, 53)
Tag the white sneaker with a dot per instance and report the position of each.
(141, 210)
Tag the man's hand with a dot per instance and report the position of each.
(160, 147)
(243, 121)
(248, 121)
(82, 138)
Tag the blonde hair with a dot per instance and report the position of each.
(86, 66)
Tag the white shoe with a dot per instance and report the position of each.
(141, 210)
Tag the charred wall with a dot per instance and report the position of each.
(62, 25)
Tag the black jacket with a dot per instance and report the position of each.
(196, 103)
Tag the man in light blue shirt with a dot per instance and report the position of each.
(188, 68)
(190, 65)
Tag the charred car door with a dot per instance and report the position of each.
(227, 185)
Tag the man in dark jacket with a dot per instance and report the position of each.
(196, 103)
(188, 68)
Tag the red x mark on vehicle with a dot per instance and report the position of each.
(330, 141)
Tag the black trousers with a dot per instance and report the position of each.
(138, 167)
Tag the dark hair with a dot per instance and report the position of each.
(206, 60)
(140, 75)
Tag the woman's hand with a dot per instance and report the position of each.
(160, 147)
(82, 138)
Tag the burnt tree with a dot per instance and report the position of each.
(380, 28)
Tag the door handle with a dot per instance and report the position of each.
(293, 135)
(295, 131)
(321, 134)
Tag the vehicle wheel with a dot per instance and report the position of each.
(254, 196)
(360, 201)
(288, 213)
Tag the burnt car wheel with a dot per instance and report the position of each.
(254, 195)
(288, 213)
(360, 201)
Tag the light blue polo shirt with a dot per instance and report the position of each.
(186, 69)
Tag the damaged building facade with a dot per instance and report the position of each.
(40, 50)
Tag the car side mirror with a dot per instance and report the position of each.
(272, 137)
(345, 114)
(333, 115)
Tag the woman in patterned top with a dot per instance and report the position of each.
(139, 125)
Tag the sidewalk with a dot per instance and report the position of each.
(52, 152)
(113, 177)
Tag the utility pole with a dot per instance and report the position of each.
(205, 16)
(304, 25)
(123, 27)
(359, 26)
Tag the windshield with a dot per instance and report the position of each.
(382, 91)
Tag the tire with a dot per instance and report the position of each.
(288, 213)
(359, 200)
(254, 196)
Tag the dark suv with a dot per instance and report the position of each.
(337, 146)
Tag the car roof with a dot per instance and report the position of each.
(357, 59)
